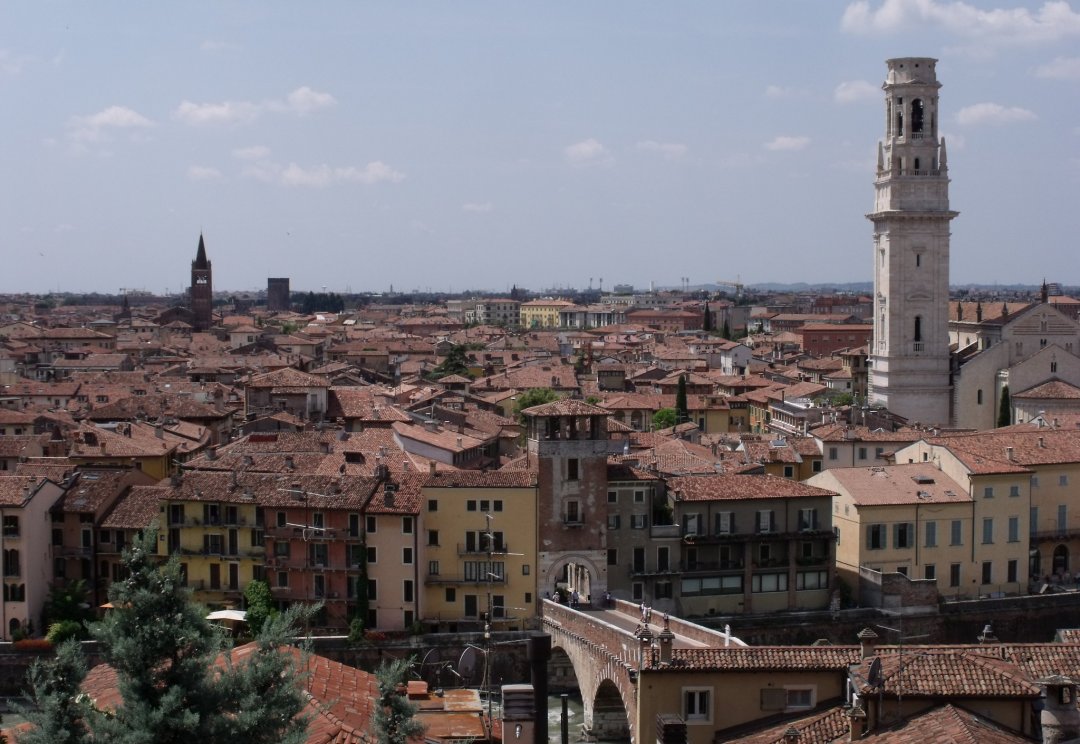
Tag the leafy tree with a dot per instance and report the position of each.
(533, 397)
(69, 603)
(394, 719)
(455, 363)
(260, 605)
(164, 653)
(1005, 411)
(65, 630)
(664, 418)
(682, 409)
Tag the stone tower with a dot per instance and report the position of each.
(202, 289)
(909, 372)
(568, 441)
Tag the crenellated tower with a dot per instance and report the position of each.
(909, 372)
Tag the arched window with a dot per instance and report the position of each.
(918, 328)
(978, 396)
(916, 116)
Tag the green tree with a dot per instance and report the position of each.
(69, 603)
(1005, 410)
(394, 720)
(707, 322)
(664, 418)
(456, 362)
(164, 653)
(533, 397)
(682, 409)
(59, 712)
(260, 605)
(725, 331)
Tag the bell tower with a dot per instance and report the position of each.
(202, 289)
(909, 368)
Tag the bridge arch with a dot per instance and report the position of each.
(604, 659)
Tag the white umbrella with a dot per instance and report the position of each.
(237, 615)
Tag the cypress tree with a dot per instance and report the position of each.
(1005, 411)
(682, 410)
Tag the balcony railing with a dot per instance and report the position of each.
(466, 549)
(442, 578)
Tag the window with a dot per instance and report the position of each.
(525, 570)
(875, 537)
(789, 471)
(879, 452)
(637, 521)
(929, 571)
(432, 537)
(613, 497)
(725, 523)
(497, 505)
(407, 590)
(956, 536)
(613, 522)
(1011, 568)
(988, 492)
(433, 505)
(639, 560)
(470, 505)
(770, 582)
(373, 588)
(806, 580)
(485, 505)
(613, 556)
(978, 397)
(903, 535)
(1014, 529)
(372, 554)
(572, 469)
(639, 497)
(930, 534)
(988, 531)
(283, 579)
(433, 568)
(808, 519)
(318, 520)
(954, 575)
(451, 594)
(406, 556)
(637, 591)
(862, 453)
(281, 549)
(987, 572)
(765, 520)
(800, 698)
(833, 454)
(697, 705)
(11, 527)
(406, 525)
(902, 570)
(1063, 480)
(815, 466)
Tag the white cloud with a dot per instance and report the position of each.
(1062, 68)
(301, 102)
(587, 152)
(323, 175)
(94, 127)
(992, 113)
(1052, 21)
(670, 150)
(779, 91)
(477, 208)
(851, 91)
(203, 173)
(304, 100)
(255, 152)
(227, 112)
(787, 143)
(10, 64)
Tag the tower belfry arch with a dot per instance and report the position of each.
(909, 354)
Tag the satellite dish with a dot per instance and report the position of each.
(468, 662)
(874, 677)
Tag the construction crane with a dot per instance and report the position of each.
(737, 285)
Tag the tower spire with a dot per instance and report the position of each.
(200, 256)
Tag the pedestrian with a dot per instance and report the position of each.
(643, 611)
(648, 615)
(574, 599)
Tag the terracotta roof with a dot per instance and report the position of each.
(1053, 390)
(566, 407)
(731, 487)
(914, 483)
(763, 658)
(922, 672)
(15, 490)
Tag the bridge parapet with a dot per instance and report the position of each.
(684, 628)
(603, 638)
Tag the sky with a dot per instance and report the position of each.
(451, 146)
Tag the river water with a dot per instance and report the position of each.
(574, 714)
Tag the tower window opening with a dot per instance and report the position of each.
(917, 116)
(918, 259)
(899, 123)
(916, 165)
(918, 328)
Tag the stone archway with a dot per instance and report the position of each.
(610, 719)
(569, 572)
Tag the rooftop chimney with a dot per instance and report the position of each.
(856, 722)
(867, 642)
(1009, 454)
(666, 638)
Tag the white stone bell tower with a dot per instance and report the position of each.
(909, 372)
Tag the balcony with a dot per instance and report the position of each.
(465, 549)
(712, 566)
(442, 578)
(664, 530)
(639, 570)
(572, 520)
(11, 533)
(72, 552)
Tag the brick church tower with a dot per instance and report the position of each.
(202, 289)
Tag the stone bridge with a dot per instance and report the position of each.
(604, 648)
